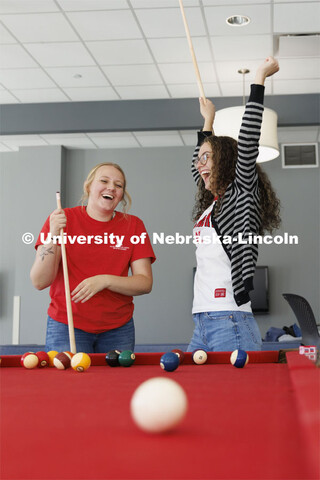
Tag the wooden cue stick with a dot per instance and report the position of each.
(67, 287)
(194, 60)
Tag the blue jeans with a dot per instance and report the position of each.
(122, 338)
(225, 331)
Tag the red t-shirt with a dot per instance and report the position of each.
(95, 254)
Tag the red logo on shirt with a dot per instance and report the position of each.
(219, 292)
(204, 222)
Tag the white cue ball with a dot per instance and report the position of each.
(158, 405)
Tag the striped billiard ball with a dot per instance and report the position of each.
(239, 358)
(80, 362)
(62, 360)
(29, 360)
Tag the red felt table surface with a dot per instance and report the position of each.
(241, 423)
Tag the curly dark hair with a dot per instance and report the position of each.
(225, 154)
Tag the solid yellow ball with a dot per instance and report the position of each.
(51, 355)
(80, 362)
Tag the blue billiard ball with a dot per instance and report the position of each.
(169, 362)
(239, 358)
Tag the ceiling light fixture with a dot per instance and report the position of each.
(77, 76)
(238, 20)
(228, 122)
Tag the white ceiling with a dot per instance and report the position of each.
(91, 50)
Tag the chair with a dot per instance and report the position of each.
(305, 317)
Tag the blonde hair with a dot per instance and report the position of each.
(126, 199)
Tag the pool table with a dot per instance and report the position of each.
(259, 422)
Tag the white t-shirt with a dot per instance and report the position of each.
(212, 283)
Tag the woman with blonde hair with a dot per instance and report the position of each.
(102, 244)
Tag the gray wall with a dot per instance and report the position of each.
(29, 180)
(163, 193)
(294, 268)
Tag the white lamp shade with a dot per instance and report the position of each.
(228, 122)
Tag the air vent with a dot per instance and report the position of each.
(307, 45)
(296, 155)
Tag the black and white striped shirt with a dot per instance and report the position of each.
(239, 215)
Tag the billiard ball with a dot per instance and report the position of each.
(112, 358)
(62, 361)
(29, 360)
(239, 358)
(169, 361)
(199, 357)
(70, 354)
(51, 356)
(43, 359)
(126, 358)
(24, 356)
(180, 354)
(158, 405)
(80, 362)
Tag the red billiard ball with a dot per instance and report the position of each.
(43, 359)
(180, 354)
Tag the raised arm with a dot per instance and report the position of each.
(248, 141)
(208, 111)
(266, 69)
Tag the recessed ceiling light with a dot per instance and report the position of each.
(238, 20)
(77, 75)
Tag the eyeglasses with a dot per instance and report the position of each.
(203, 159)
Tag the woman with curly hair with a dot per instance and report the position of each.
(235, 201)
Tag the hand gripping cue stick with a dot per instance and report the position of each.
(67, 286)
(194, 60)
